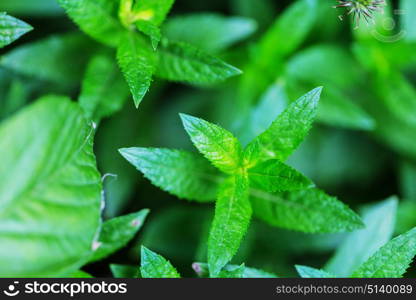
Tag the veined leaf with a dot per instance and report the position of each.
(218, 145)
(116, 233)
(182, 62)
(184, 174)
(215, 32)
(273, 175)
(124, 271)
(231, 220)
(155, 266)
(98, 18)
(308, 272)
(201, 269)
(50, 192)
(289, 129)
(11, 29)
(391, 260)
(104, 90)
(359, 245)
(138, 65)
(308, 210)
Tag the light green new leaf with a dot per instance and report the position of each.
(50, 192)
(309, 210)
(155, 266)
(289, 129)
(11, 29)
(231, 220)
(218, 145)
(124, 271)
(273, 175)
(359, 245)
(201, 269)
(104, 90)
(391, 260)
(288, 32)
(408, 19)
(215, 32)
(184, 174)
(308, 272)
(182, 62)
(137, 62)
(116, 233)
(98, 18)
(58, 59)
(154, 11)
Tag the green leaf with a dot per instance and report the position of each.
(289, 129)
(358, 246)
(150, 30)
(50, 192)
(31, 8)
(104, 90)
(155, 266)
(309, 210)
(98, 18)
(407, 179)
(214, 32)
(308, 272)
(201, 269)
(391, 260)
(182, 62)
(273, 175)
(154, 11)
(138, 65)
(231, 220)
(11, 29)
(124, 271)
(232, 272)
(408, 19)
(80, 274)
(116, 233)
(218, 145)
(288, 32)
(59, 59)
(184, 174)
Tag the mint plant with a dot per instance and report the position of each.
(126, 25)
(256, 179)
(11, 29)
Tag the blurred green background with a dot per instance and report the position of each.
(362, 149)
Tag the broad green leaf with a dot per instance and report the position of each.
(11, 29)
(98, 18)
(214, 32)
(273, 175)
(308, 272)
(308, 210)
(359, 245)
(104, 90)
(50, 193)
(184, 174)
(155, 266)
(408, 19)
(201, 269)
(288, 32)
(59, 59)
(31, 8)
(231, 220)
(124, 271)
(116, 233)
(182, 62)
(289, 129)
(80, 274)
(391, 260)
(138, 65)
(218, 145)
